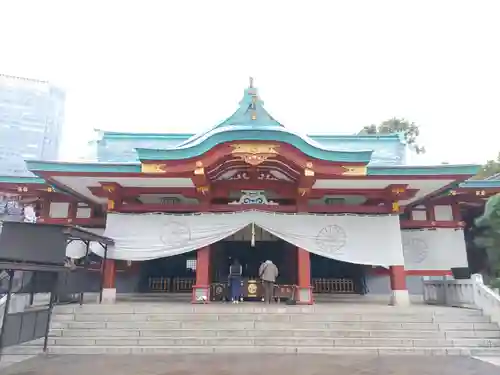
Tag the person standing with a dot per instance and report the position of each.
(268, 272)
(235, 271)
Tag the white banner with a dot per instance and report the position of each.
(434, 249)
(362, 239)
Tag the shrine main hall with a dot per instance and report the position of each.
(338, 214)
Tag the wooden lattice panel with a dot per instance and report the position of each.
(333, 286)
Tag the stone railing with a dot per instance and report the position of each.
(470, 293)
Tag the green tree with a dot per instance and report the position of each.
(487, 234)
(491, 168)
(410, 130)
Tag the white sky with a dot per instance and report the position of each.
(320, 66)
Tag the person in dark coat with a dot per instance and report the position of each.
(235, 272)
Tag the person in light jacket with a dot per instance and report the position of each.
(268, 272)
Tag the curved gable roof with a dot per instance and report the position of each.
(251, 122)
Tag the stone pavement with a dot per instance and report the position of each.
(252, 364)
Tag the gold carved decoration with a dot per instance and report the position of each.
(304, 191)
(254, 153)
(109, 188)
(398, 190)
(395, 207)
(153, 168)
(111, 205)
(199, 171)
(355, 171)
(203, 189)
(308, 172)
(252, 289)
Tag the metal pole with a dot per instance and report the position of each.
(32, 287)
(6, 309)
(85, 267)
(51, 307)
(103, 270)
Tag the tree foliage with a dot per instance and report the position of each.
(487, 236)
(410, 130)
(491, 168)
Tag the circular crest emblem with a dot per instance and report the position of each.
(218, 290)
(252, 288)
(175, 233)
(415, 250)
(331, 239)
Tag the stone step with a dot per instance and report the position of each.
(10, 359)
(217, 325)
(85, 350)
(409, 334)
(243, 317)
(268, 341)
(148, 308)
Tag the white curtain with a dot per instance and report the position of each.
(151, 236)
(362, 239)
(434, 249)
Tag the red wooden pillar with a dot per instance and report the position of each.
(109, 274)
(201, 289)
(109, 281)
(72, 211)
(400, 296)
(304, 292)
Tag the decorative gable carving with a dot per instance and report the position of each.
(254, 197)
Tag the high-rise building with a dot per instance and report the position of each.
(31, 121)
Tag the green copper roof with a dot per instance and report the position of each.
(480, 184)
(21, 180)
(315, 137)
(431, 170)
(251, 122)
(46, 166)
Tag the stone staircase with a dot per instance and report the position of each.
(338, 328)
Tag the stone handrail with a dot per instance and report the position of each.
(471, 293)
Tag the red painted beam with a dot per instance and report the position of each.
(84, 222)
(420, 224)
(30, 187)
(380, 271)
(460, 198)
(246, 207)
(340, 209)
(222, 189)
(478, 192)
(140, 208)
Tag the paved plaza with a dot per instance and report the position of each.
(251, 364)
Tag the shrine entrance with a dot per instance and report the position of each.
(251, 246)
(251, 257)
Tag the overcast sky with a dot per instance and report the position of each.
(320, 66)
